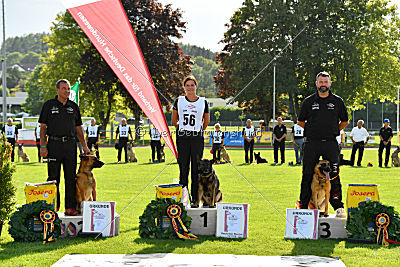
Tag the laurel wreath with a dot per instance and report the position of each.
(361, 224)
(155, 210)
(19, 222)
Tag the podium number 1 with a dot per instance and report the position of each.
(204, 215)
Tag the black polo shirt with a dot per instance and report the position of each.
(61, 120)
(322, 116)
(386, 133)
(280, 131)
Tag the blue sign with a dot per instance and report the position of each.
(232, 138)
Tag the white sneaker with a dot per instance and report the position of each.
(341, 213)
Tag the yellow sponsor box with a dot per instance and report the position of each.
(173, 191)
(357, 193)
(43, 191)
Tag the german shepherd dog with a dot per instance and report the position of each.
(395, 158)
(162, 153)
(321, 186)
(85, 182)
(259, 159)
(225, 154)
(209, 192)
(22, 154)
(131, 153)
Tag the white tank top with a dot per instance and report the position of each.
(217, 137)
(92, 130)
(249, 132)
(298, 131)
(154, 134)
(38, 132)
(123, 131)
(9, 131)
(190, 114)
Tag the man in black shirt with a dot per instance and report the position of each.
(60, 120)
(322, 116)
(386, 135)
(279, 141)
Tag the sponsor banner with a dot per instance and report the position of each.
(29, 122)
(234, 138)
(108, 28)
(263, 137)
(232, 220)
(173, 191)
(43, 191)
(301, 224)
(357, 193)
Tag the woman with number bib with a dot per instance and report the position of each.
(190, 116)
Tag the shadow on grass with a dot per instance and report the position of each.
(27, 163)
(169, 245)
(321, 247)
(17, 249)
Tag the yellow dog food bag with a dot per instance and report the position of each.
(173, 191)
(357, 193)
(42, 191)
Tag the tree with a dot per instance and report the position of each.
(30, 58)
(332, 36)
(14, 57)
(196, 51)
(36, 93)
(25, 44)
(66, 44)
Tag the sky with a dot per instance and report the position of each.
(205, 19)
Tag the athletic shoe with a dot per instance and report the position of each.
(311, 206)
(70, 212)
(341, 213)
(298, 206)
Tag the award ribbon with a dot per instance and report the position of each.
(383, 221)
(174, 212)
(48, 217)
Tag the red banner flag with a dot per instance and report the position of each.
(108, 28)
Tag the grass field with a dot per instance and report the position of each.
(279, 184)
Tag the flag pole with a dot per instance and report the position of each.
(4, 69)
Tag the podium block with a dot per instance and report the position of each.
(72, 225)
(332, 227)
(204, 221)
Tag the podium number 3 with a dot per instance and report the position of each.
(204, 215)
(326, 229)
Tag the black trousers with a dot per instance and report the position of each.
(12, 142)
(381, 148)
(360, 147)
(123, 144)
(329, 150)
(38, 149)
(248, 146)
(63, 153)
(189, 152)
(155, 147)
(281, 147)
(92, 143)
(216, 151)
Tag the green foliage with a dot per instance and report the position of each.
(19, 222)
(36, 92)
(356, 41)
(229, 114)
(7, 188)
(30, 58)
(156, 209)
(196, 51)
(217, 114)
(204, 70)
(14, 57)
(27, 43)
(364, 217)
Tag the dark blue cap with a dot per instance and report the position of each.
(386, 120)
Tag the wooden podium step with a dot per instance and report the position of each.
(332, 227)
(72, 225)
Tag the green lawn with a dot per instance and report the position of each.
(279, 184)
